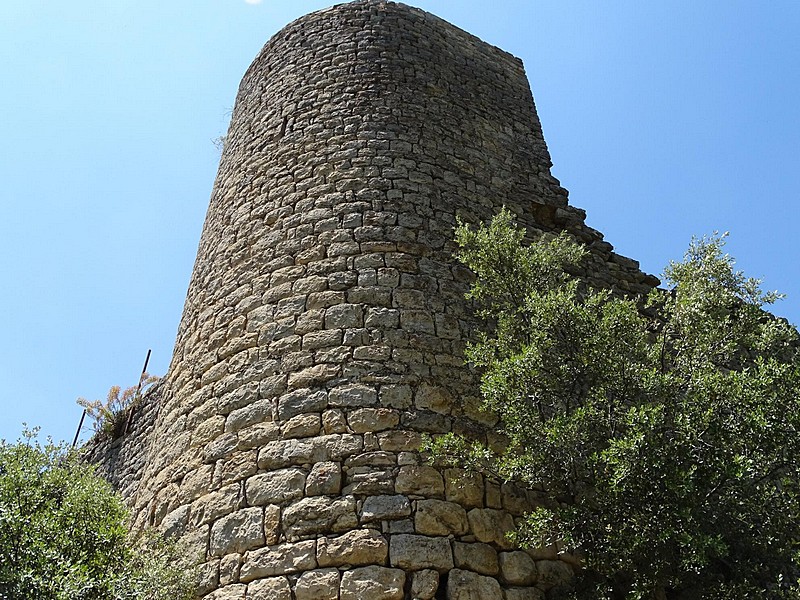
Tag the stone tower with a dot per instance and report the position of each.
(324, 326)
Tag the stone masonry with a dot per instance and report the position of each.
(325, 322)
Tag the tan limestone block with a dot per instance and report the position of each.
(433, 397)
(272, 524)
(196, 483)
(319, 514)
(526, 593)
(466, 585)
(400, 441)
(325, 478)
(270, 588)
(424, 584)
(420, 480)
(385, 507)
(437, 517)
(517, 568)
(415, 552)
(464, 487)
(363, 420)
(237, 532)
(275, 487)
(322, 584)
(239, 466)
(216, 504)
(333, 421)
(355, 548)
(229, 592)
(301, 426)
(481, 558)
(229, 569)
(373, 583)
(281, 559)
(491, 526)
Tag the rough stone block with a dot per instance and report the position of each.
(381, 508)
(514, 499)
(239, 466)
(333, 421)
(419, 480)
(325, 478)
(553, 572)
(376, 458)
(256, 412)
(356, 395)
(196, 483)
(491, 526)
(207, 576)
(355, 548)
(220, 447)
(527, 593)
(437, 517)
(271, 588)
(417, 321)
(466, 585)
(415, 552)
(282, 559)
(317, 375)
(216, 504)
(368, 480)
(336, 447)
(175, 521)
(433, 397)
(386, 318)
(229, 569)
(229, 592)
(322, 584)
(237, 532)
(301, 426)
(258, 435)
(424, 584)
(372, 419)
(344, 316)
(275, 487)
(464, 487)
(481, 558)
(395, 396)
(208, 430)
(301, 401)
(284, 453)
(272, 524)
(319, 514)
(400, 441)
(374, 583)
(517, 568)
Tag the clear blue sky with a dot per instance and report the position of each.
(664, 120)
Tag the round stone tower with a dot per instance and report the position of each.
(324, 327)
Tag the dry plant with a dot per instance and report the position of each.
(111, 416)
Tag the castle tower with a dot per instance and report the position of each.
(324, 326)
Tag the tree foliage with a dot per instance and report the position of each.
(63, 534)
(663, 432)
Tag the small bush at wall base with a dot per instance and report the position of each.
(63, 534)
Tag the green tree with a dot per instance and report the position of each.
(63, 533)
(663, 433)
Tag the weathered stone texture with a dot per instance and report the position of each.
(325, 323)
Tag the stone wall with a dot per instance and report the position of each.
(325, 322)
(121, 460)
